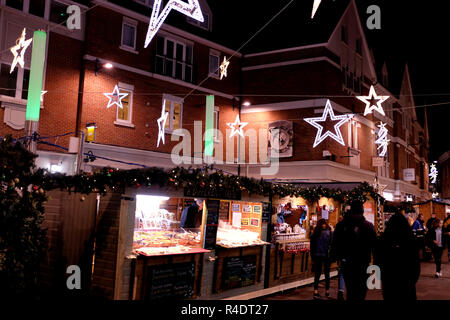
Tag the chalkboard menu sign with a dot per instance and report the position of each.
(171, 281)
(212, 222)
(266, 211)
(238, 272)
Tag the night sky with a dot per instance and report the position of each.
(413, 32)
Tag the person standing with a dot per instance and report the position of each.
(320, 254)
(354, 242)
(399, 260)
(191, 217)
(436, 241)
(447, 234)
(419, 234)
(430, 221)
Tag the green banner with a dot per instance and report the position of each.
(36, 76)
(209, 126)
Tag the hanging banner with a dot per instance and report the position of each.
(36, 76)
(209, 127)
(409, 174)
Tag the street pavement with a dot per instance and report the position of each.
(428, 287)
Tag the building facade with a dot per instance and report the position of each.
(176, 73)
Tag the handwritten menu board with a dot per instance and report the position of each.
(224, 211)
(173, 280)
(239, 272)
(266, 212)
(212, 223)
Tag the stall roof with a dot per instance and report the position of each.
(434, 201)
(344, 186)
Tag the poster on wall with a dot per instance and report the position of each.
(257, 208)
(281, 139)
(409, 174)
(235, 207)
(237, 217)
(254, 222)
(244, 221)
(247, 208)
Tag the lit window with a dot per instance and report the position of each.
(214, 61)
(124, 115)
(173, 106)
(129, 33)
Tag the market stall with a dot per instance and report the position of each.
(239, 247)
(289, 254)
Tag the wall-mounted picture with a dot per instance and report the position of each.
(235, 207)
(281, 139)
(257, 208)
(244, 222)
(254, 222)
(247, 208)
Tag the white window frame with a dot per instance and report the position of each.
(217, 54)
(172, 99)
(134, 24)
(19, 86)
(174, 66)
(127, 123)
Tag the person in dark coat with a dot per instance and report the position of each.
(436, 240)
(398, 260)
(353, 244)
(418, 230)
(320, 255)
(191, 217)
(431, 220)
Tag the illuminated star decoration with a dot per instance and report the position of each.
(372, 103)
(23, 44)
(433, 173)
(239, 124)
(115, 98)
(162, 125)
(337, 136)
(191, 9)
(379, 187)
(224, 67)
(382, 140)
(42, 95)
(435, 195)
(315, 7)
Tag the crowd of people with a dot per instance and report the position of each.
(354, 245)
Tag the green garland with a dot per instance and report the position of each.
(118, 180)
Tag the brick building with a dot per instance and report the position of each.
(444, 175)
(279, 80)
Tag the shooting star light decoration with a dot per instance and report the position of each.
(22, 45)
(162, 125)
(240, 126)
(191, 9)
(382, 140)
(115, 98)
(373, 102)
(315, 7)
(224, 68)
(433, 173)
(336, 135)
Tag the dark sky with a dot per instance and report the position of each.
(413, 32)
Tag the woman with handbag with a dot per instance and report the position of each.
(320, 253)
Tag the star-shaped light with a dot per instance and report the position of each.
(22, 44)
(336, 135)
(115, 98)
(191, 9)
(224, 68)
(373, 102)
(42, 95)
(433, 173)
(382, 139)
(379, 187)
(240, 126)
(162, 125)
(315, 7)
